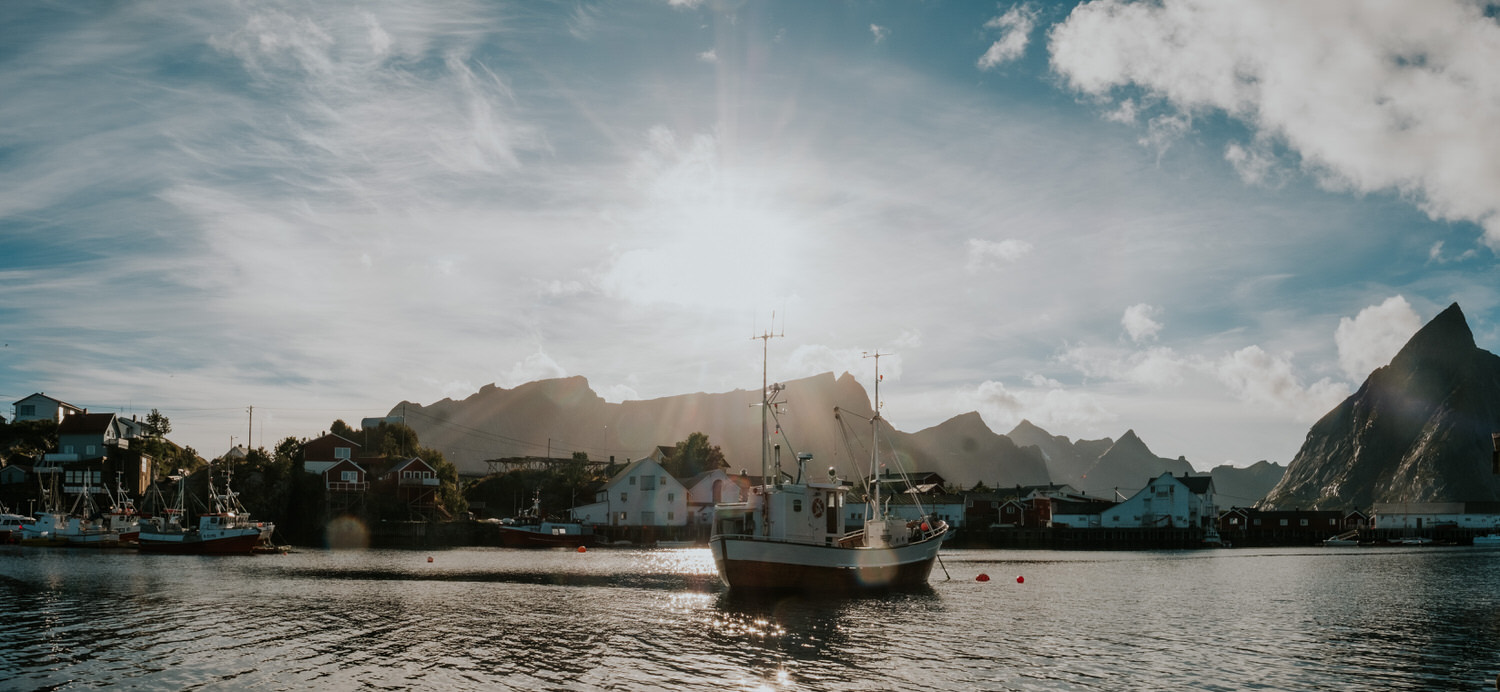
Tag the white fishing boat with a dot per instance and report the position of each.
(226, 529)
(790, 533)
(10, 526)
(1490, 540)
(85, 526)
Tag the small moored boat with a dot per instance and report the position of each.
(790, 535)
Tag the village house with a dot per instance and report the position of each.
(642, 494)
(415, 485)
(94, 452)
(1430, 515)
(1166, 502)
(710, 488)
(1249, 526)
(39, 406)
(1078, 514)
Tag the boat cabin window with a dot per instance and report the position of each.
(796, 505)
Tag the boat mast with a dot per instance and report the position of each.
(765, 408)
(875, 438)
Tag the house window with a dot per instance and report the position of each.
(349, 476)
(1234, 521)
(670, 498)
(671, 516)
(624, 497)
(1283, 522)
(67, 449)
(90, 450)
(1256, 522)
(1304, 522)
(648, 482)
(341, 452)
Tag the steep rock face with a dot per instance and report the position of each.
(1243, 487)
(1418, 429)
(1127, 465)
(1067, 461)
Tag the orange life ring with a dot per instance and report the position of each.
(817, 507)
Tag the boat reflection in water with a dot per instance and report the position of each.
(790, 535)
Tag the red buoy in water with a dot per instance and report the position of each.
(582, 549)
(1020, 580)
(429, 558)
(982, 577)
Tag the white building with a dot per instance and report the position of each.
(1166, 502)
(1425, 515)
(712, 487)
(39, 406)
(643, 494)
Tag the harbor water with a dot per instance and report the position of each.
(1420, 618)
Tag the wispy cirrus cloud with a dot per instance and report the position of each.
(1015, 27)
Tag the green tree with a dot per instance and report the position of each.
(157, 424)
(28, 439)
(693, 456)
(343, 430)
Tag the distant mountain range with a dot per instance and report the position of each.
(560, 416)
(1418, 430)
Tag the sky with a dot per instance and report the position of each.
(1203, 221)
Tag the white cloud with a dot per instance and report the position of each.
(1124, 112)
(617, 393)
(1374, 336)
(709, 55)
(879, 32)
(1436, 255)
(1050, 406)
(1407, 103)
(537, 366)
(813, 359)
(1256, 165)
(1163, 131)
(983, 254)
(1140, 322)
(1155, 367)
(1015, 28)
(1263, 379)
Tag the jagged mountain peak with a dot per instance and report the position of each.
(1446, 335)
(1417, 430)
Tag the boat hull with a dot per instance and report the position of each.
(189, 544)
(521, 538)
(750, 564)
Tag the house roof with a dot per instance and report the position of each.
(341, 437)
(1200, 485)
(59, 402)
(86, 424)
(409, 463)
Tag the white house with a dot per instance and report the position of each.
(39, 406)
(643, 494)
(1166, 502)
(712, 487)
(1419, 515)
